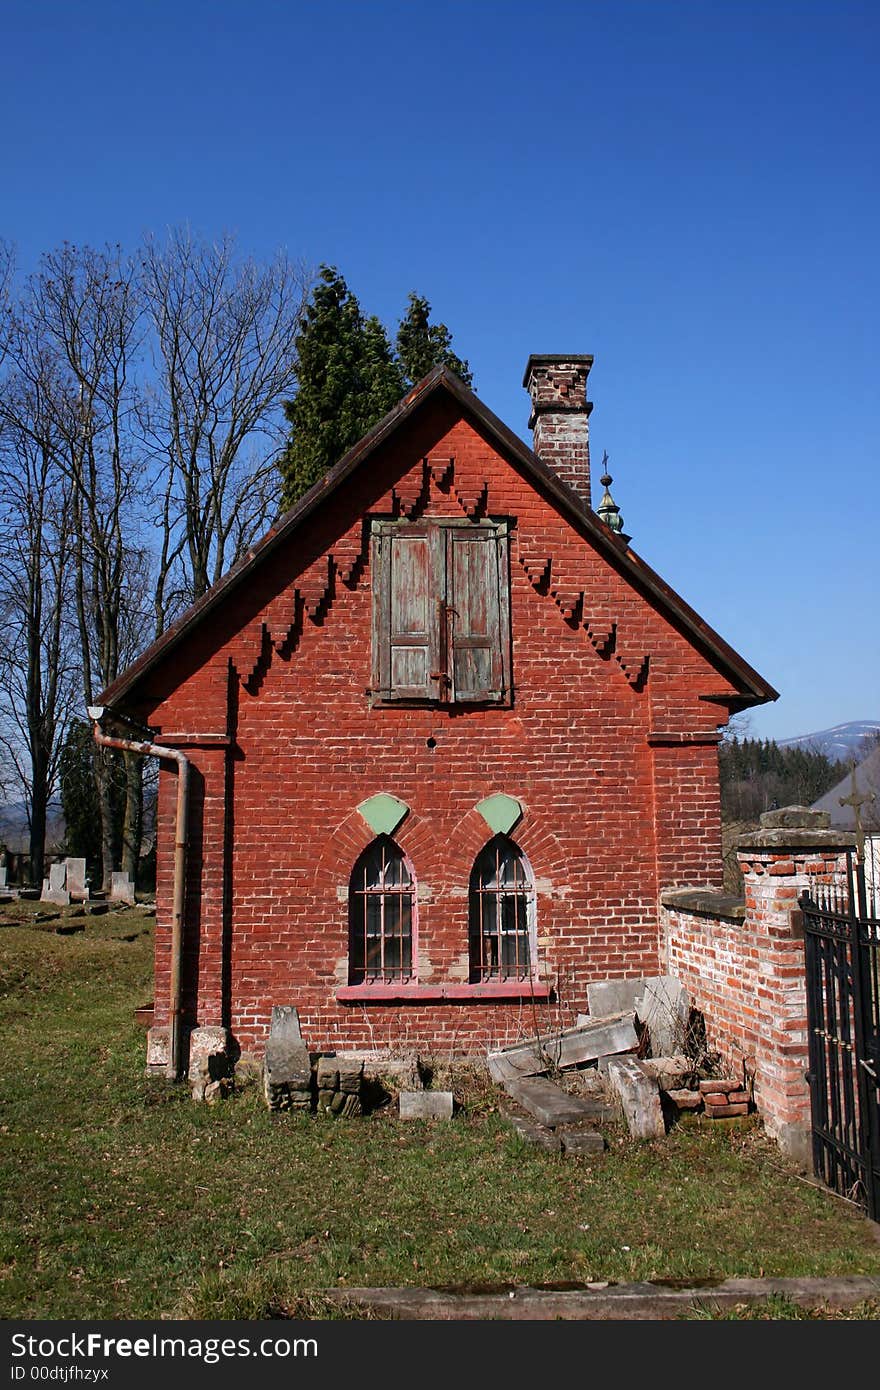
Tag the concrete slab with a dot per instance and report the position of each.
(605, 997)
(536, 1134)
(426, 1105)
(573, 1047)
(549, 1103)
(639, 1098)
(606, 1302)
(582, 1143)
(664, 1008)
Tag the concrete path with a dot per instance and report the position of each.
(606, 1302)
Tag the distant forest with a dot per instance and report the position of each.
(757, 775)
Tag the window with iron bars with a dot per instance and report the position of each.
(502, 914)
(381, 905)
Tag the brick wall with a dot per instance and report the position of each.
(743, 966)
(607, 745)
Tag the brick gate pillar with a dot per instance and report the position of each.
(793, 850)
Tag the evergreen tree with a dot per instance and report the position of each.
(758, 775)
(347, 380)
(422, 345)
(79, 797)
(349, 377)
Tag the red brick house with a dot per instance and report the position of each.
(445, 738)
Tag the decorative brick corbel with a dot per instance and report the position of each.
(409, 491)
(314, 587)
(346, 553)
(602, 632)
(537, 567)
(440, 467)
(472, 497)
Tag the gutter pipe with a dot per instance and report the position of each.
(155, 750)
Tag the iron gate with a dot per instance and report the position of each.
(842, 950)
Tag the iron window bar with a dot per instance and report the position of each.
(501, 911)
(381, 906)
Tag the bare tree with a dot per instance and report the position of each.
(38, 672)
(83, 305)
(224, 335)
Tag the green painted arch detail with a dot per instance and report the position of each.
(383, 812)
(500, 812)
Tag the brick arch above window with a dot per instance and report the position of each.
(350, 837)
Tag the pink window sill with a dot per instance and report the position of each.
(442, 994)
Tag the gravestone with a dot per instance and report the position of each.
(76, 879)
(54, 887)
(121, 888)
(287, 1065)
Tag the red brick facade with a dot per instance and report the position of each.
(608, 742)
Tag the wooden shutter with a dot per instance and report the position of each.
(405, 614)
(478, 622)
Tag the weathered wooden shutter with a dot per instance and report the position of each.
(405, 615)
(478, 623)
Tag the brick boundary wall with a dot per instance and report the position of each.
(742, 963)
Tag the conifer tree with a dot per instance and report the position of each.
(422, 345)
(349, 377)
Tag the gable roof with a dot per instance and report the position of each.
(867, 780)
(753, 688)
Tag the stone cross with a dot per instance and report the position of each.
(857, 800)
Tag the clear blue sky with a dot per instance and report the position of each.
(687, 190)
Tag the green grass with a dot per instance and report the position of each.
(124, 1199)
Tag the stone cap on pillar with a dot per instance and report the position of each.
(793, 827)
(794, 817)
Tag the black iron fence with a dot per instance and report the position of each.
(842, 951)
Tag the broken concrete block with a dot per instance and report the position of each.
(685, 1099)
(208, 1061)
(350, 1075)
(327, 1073)
(664, 1008)
(344, 1105)
(157, 1050)
(426, 1105)
(606, 997)
(639, 1098)
(248, 1070)
(670, 1073)
(598, 1038)
(536, 1134)
(550, 1105)
(580, 1143)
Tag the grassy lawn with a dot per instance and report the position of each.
(124, 1199)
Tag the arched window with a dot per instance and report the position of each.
(502, 914)
(381, 916)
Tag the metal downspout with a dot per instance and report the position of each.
(156, 750)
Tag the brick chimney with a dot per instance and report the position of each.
(560, 416)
